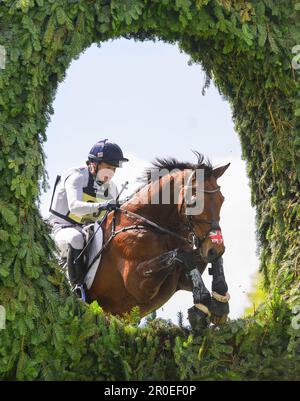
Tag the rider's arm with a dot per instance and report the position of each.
(74, 185)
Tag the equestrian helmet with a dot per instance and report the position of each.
(108, 152)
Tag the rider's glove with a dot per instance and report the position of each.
(110, 205)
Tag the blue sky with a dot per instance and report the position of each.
(146, 98)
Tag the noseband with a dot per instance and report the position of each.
(197, 242)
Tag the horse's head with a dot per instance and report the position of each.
(204, 225)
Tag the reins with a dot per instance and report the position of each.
(152, 224)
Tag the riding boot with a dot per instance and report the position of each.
(76, 268)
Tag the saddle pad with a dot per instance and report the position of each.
(95, 247)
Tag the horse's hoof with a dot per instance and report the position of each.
(198, 319)
(219, 312)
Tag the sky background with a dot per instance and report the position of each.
(146, 98)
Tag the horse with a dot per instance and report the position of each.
(153, 250)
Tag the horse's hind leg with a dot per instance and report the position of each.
(219, 306)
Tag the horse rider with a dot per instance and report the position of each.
(82, 195)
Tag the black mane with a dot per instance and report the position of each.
(172, 163)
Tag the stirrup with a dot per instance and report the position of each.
(80, 291)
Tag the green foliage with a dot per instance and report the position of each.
(245, 47)
(256, 296)
(250, 349)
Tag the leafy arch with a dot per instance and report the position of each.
(246, 48)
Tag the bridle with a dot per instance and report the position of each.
(197, 241)
(214, 224)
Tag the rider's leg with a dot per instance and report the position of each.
(76, 270)
(70, 242)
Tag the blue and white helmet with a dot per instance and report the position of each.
(108, 152)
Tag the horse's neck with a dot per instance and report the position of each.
(142, 203)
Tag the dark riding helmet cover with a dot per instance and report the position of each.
(108, 152)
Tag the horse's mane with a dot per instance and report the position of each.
(170, 164)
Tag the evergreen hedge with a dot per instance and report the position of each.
(245, 47)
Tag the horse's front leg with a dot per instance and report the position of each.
(145, 282)
(219, 307)
(199, 314)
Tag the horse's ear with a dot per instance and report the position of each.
(219, 171)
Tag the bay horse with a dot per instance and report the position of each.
(158, 249)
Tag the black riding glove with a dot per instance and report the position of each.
(110, 205)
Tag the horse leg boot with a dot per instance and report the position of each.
(76, 270)
(199, 314)
(219, 306)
